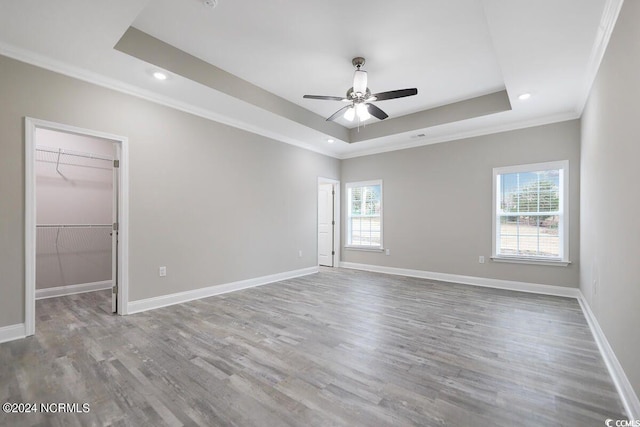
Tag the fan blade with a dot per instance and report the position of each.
(338, 113)
(376, 112)
(393, 94)
(327, 98)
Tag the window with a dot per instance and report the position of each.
(530, 209)
(364, 214)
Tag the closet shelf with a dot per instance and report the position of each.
(59, 156)
(74, 225)
(73, 153)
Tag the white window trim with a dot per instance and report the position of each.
(563, 226)
(349, 185)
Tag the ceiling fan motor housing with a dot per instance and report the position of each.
(352, 95)
(358, 61)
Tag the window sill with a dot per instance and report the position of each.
(363, 248)
(533, 261)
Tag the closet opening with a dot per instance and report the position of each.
(75, 216)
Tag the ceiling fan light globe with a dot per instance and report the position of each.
(350, 114)
(363, 112)
(360, 82)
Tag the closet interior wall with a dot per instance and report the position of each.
(74, 197)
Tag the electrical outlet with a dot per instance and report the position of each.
(388, 252)
(162, 271)
(481, 259)
(300, 253)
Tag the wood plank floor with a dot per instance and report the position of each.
(338, 348)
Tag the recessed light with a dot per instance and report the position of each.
(331, 141)
(210, 3)
(159, 75)
(524, 96)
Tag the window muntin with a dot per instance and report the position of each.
(364, 214)
(530, 212)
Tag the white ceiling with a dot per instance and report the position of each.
(449, 50)
(306, 47)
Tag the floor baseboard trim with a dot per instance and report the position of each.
(511, 285)
(180, 297)
(12, 332)
(60, 291)
(620, 379)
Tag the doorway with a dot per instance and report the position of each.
(76, 213)
(328, 222)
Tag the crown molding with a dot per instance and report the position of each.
(610, 13)
(489, 130)
(78, 73)
(605, 29)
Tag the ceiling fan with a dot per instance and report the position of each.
(360, 98)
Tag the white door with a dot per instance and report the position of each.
(325, 224)
(114, 232)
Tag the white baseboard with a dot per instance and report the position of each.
(620, 380)
(12, 332)
(622, 383)
(180, 297)
(60, 291)
(534, 288)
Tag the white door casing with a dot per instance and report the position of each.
(326, 223)
(114, 230)
(31, 125)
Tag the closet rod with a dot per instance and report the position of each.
(74, 153)
(74, 226)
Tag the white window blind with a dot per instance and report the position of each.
(530, 212)
(364, 214)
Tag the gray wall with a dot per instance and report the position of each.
(75, 190)
(437, 202)
(213, 203)
(610, 230)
